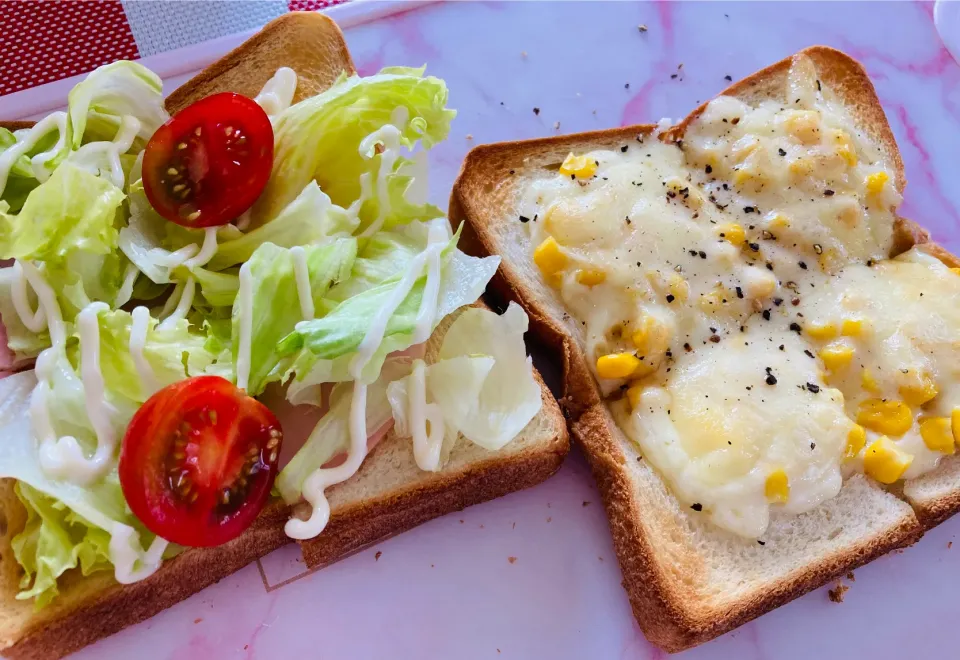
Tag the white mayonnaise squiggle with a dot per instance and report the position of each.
(90, 156)
(64, 458)
(33, 321)
(183, 295)
(277, 93)
(206, 252)
(245, 318)
(10, 157)
(138, 343)
(322, 478)
(388, 137)
(302, 275)
(126, 552)
(427, 441)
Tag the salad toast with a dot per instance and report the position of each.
(390, 491)
(762, 214)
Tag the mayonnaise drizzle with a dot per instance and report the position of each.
(322, 478)
(245, 321)
(138, 343)
(64, 458)
(125, 555)
(186, 291)
(33, 321)
(302, 275)
(206, 252)
(87, 157)
(277, 93)
(427, 442)
(10, 157)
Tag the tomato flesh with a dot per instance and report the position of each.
(198, 461)
(210, 162)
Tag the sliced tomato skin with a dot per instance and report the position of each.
(209, 163)
(188, 445)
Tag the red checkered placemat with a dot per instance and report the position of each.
(47, 40)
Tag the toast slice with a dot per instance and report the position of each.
(689, 581)
(388, 495)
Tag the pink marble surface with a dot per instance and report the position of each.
(449, 588)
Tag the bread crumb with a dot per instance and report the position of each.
(461, 521)
(498, 650)
(836, 594)
(514, 526)
(642, 28)
(556, 124)
(549, 518)
(469, 136)
(376, 557)
(197, 620)
(599, 557)
(586, 503)
(949, 544)
(431, 565)
(850, 577)
(511, 559)
(523, 54)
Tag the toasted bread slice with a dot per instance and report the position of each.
(388, 495)
(687, 580)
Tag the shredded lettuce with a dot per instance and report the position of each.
(276, 299)
(318, 139)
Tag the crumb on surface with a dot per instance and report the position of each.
(549, 518)
(836, 594)
(642, 28)
(469, 136)
(376, 557)
(851, 577)
(949, 544)
(197, 620)
(556, 124)
(586, 503)
(511, 559)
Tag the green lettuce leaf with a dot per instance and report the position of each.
(276, 302)
(319, 138)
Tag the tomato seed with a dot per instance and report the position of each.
(213, 416)
(182, 146)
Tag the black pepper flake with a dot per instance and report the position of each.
(735, 121)
(703, 255)
(813, 445)
(828, 193)
(629, 221)
(766, 315)
(769, 266)
(749, 209)
(778, 301)
(623, 149)
(813, 387)
(782, 152)
(696, 506)
(513, 171)
(708, 169)
(767, 235)
(536, 111)
(626, 86)
(573, 177)
(728, 78)
(771, 379)
(818, 248)
(803, 265)
(795, 302)
(524, 219)
(754, 246)
(818, 86)
(870, 262)
(781, 347)
(739, 293)
(687, 347)
(670, 298)
(795, 327)
(761, 542)
(673, 76)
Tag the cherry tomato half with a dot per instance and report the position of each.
(210, 162)
(198, 461)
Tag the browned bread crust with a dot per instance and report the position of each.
(484, 196)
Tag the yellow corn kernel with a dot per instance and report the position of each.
(733, 233)
(591, 277)
(917, 395)
(844, 147)
(651, 337)
(851, 327)
(582, 167)
(634, 395)
(549, 258)
(679, 287)
(868, 382)
(779, 221)
(955, 425)
(955, 271)
(804, 125)
(937, 435)
(777, 487)
(856, 439)
(885, 461)
(822, 330)
(742, 175)
(876, 181)
(836, 356)
(617, 365)
(885, 416)
(802, 166)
